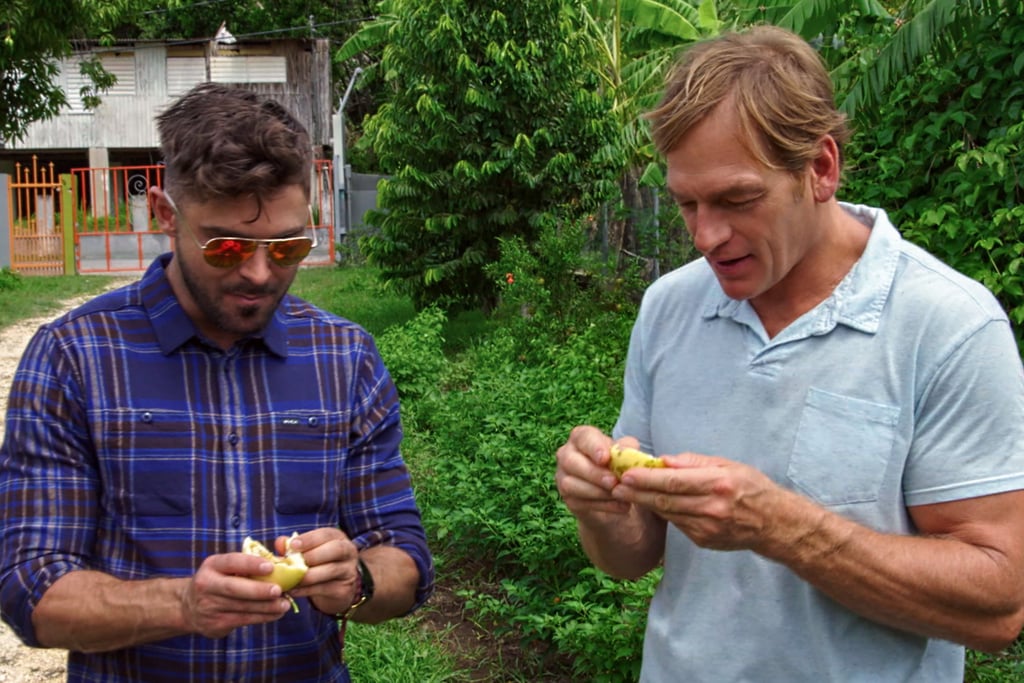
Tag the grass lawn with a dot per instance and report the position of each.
(29, 297)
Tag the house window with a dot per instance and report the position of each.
(183, 73)
(120, 65)
(248, 69)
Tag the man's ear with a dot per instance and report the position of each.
(163, 211)
(825, 170)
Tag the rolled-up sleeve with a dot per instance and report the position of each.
(48, 482)
(378, 504)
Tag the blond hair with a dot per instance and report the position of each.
(778, 85)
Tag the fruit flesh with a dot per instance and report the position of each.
(624, 458)
(288, 570)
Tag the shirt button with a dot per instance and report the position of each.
(147, 417)
(312, 421)
(235, 521)
(233, 439)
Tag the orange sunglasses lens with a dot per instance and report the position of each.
(289, 252)
(228, 252)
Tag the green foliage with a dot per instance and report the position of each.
(483, 433)
(35, 36)
(1005, 667)
(947, 161)
(495, 128)
(398, 651)
(9, 279)
(414, 353)
(555, 283)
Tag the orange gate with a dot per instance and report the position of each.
(114, 228)
(37, 235)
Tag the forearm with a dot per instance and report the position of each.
(89, 611)
(395, 578)
(934, 586)
(623, 546)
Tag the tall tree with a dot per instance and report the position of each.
(36, 35)
(496, 128)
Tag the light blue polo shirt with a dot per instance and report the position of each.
(903, 388)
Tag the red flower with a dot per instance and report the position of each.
(509, 279)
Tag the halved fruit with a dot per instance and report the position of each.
(288, 570)
(624, 458)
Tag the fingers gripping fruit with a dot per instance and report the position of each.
(623, 458)
(288, 570)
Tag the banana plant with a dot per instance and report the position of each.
(637, 41)
(915, 28)
(372, 34)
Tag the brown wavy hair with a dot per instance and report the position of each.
(223, 142)
(775, 80)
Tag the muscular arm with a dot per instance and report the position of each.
(89, 611)
(962, 579)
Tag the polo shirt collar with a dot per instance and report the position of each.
(173, 327)
(858, 300)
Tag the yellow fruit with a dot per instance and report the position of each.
(288, 570)
(625, 458)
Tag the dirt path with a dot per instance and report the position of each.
(20, 664)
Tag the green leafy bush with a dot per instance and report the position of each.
(9, 280)
(495, 124)
(414, 353)
(946, 163)
(483, 447)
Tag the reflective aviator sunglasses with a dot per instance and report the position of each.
(228, 252)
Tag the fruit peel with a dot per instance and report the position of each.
(624, 458)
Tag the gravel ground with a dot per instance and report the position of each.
(20, 664)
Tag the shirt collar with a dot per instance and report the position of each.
(859, 298)
(172, 325)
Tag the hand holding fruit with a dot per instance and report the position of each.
(288, 571)
(583, 475)
(330, 559)
(622, 458)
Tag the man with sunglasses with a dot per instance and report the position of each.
(152, 430)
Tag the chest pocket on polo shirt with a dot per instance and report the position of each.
(146, 459)
(307, 450)
(842, 449)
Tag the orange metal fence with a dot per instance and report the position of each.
(115, 230)
(37, 240)
(114, 227)
(106, 223)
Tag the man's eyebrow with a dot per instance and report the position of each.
(740, 188)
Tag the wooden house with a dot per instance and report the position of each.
(121, 131)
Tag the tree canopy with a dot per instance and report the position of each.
(496, 127)
(36, 35)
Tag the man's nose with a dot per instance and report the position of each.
(709, 229)
(257, 268)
